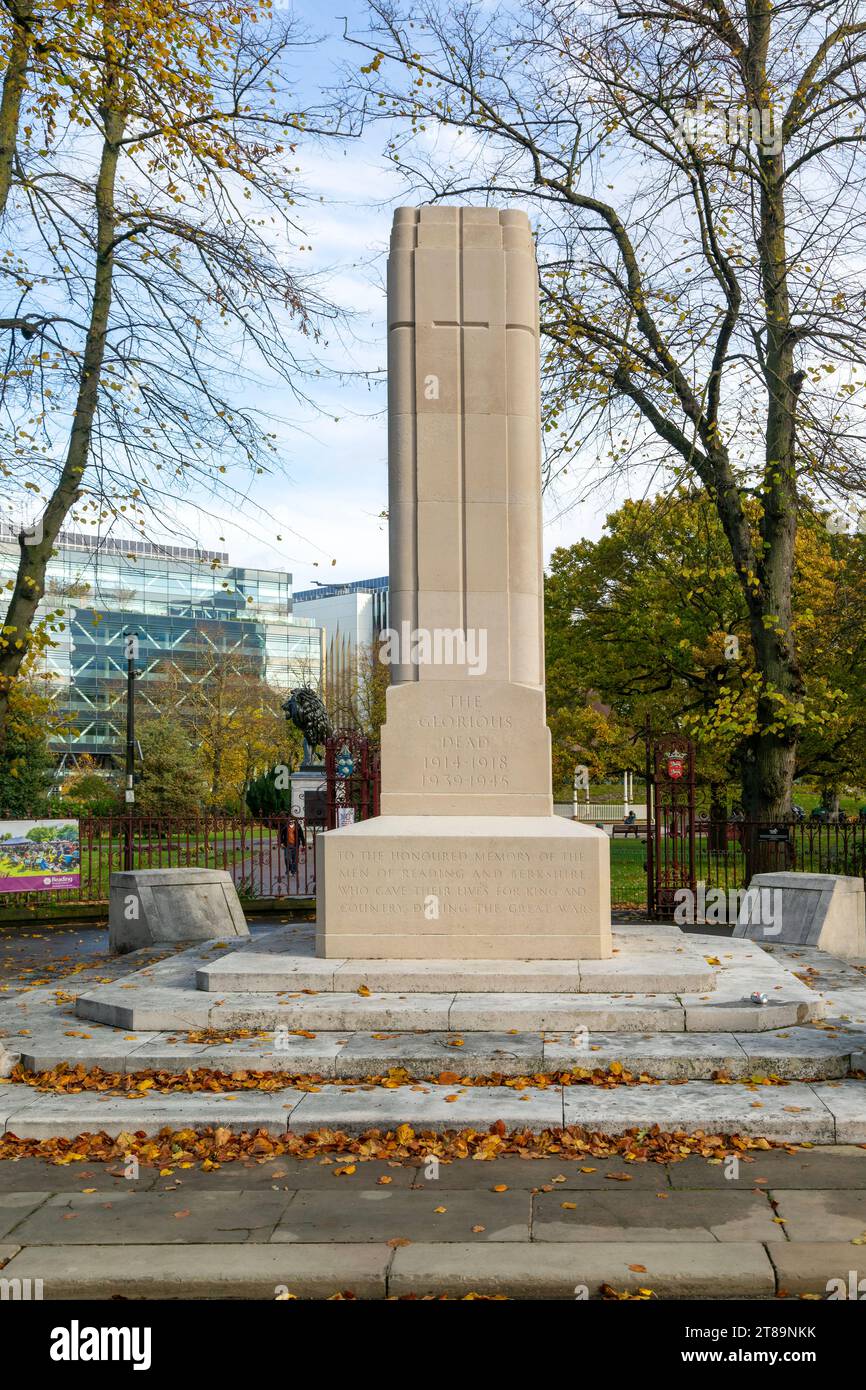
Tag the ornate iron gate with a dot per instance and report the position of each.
(352, 777)
(671, 818)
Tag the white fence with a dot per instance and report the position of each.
(606, 811)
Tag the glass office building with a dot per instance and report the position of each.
(376, 588)
(190, 609)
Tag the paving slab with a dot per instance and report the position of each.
(427, 1107)
(846, 1101)
(730, 1008)
(15, 1207)
(381, 1213)
(560, 1173)
(534, 1012)
(284, 1053)
(670, 1056)
(621, 1214)
(842, 1166)
(833, 1269)
(49, 1116)
(203, 1271)
(57, 1042)
(679, 1270)
(847, 1005)
(153, 1218)
(805, 1053)
(287, 1174)
(820, 1215)
(145, 1008)
(785, 1113)
(428, 1054)
(347, 1012)
(38, 1175)
(6, 1253)
(731, 950)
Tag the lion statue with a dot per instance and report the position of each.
(306, 711)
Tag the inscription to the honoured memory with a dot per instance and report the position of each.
(467, 858)
(460, 884)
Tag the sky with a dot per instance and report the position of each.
(325, 501)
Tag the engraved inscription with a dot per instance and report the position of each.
(467, 883)
(466, 753)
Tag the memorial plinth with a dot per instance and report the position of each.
(467, 859)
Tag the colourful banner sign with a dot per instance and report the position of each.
(37, 856)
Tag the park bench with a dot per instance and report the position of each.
(637, 828)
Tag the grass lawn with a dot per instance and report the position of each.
(627, 873)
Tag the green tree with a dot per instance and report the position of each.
(651, 617)
(173, 780)
(149, 183)
(91, 792)
(26, 762)
(270, 793)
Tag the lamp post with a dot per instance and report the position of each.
(131, 652)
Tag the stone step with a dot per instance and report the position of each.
(144, 1006)
(675, 971)
(819, 1112)
(375, 1270)
(800, 1053)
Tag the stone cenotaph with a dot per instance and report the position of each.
(467, 859)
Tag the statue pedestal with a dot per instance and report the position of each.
(463, 887)
(306, 779)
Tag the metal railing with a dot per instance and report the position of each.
(727, 853)
(257, 854)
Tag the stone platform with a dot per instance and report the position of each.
(669, 991)
(130, 1021)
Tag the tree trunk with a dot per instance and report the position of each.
(14, 84)
(718, 827)
(37, 547)
(770, 755)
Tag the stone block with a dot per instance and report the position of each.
(740, 1269)
(823, 910)
(149, 907)
(204, 1271)
(482, 887)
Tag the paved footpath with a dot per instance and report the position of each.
(780, 1224)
